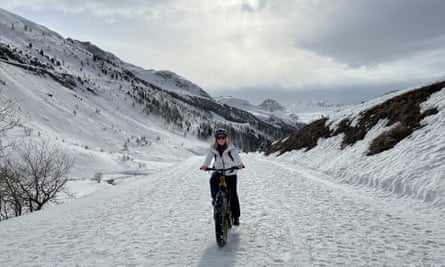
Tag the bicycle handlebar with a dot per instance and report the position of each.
(223, 170)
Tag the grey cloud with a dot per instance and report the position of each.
(341, 94)
(247, 6)
(367, 32)
(99, 7)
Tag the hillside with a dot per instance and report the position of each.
(394, 143)
(84, 71)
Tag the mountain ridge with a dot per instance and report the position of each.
(85, 68)
(262, 113)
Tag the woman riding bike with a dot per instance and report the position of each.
(225, 156)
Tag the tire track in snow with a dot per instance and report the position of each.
(258, 187)
(350, 226)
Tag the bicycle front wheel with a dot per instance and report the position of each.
(221, 220)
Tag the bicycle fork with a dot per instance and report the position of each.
(226, 208)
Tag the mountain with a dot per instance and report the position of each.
(271, 105)
(270, 111)
(51, 68)
(297, 113)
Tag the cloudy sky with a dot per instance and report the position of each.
(290, 50)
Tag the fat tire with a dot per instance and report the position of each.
(221, 220)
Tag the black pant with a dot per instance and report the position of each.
(231, 188)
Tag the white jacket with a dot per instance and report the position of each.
(224, 161)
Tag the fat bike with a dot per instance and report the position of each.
(221, 207)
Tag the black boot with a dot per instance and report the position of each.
(236, 221)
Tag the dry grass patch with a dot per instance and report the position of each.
(306, 137)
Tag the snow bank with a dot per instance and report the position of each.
(414, 168)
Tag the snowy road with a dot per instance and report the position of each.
(291, 216)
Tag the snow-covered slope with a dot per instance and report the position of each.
(65, 94)
(93, 128)
(394, 144)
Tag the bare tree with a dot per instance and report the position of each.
(9, 118)
(8, 115)
(35, 173)
(11, 201)
(9, 193)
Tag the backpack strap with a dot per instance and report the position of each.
(229, 153)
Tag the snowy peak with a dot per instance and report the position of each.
(172, 82)
(279, 116)
(299, 113)
(271, 105)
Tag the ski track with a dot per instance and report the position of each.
(290, 217)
